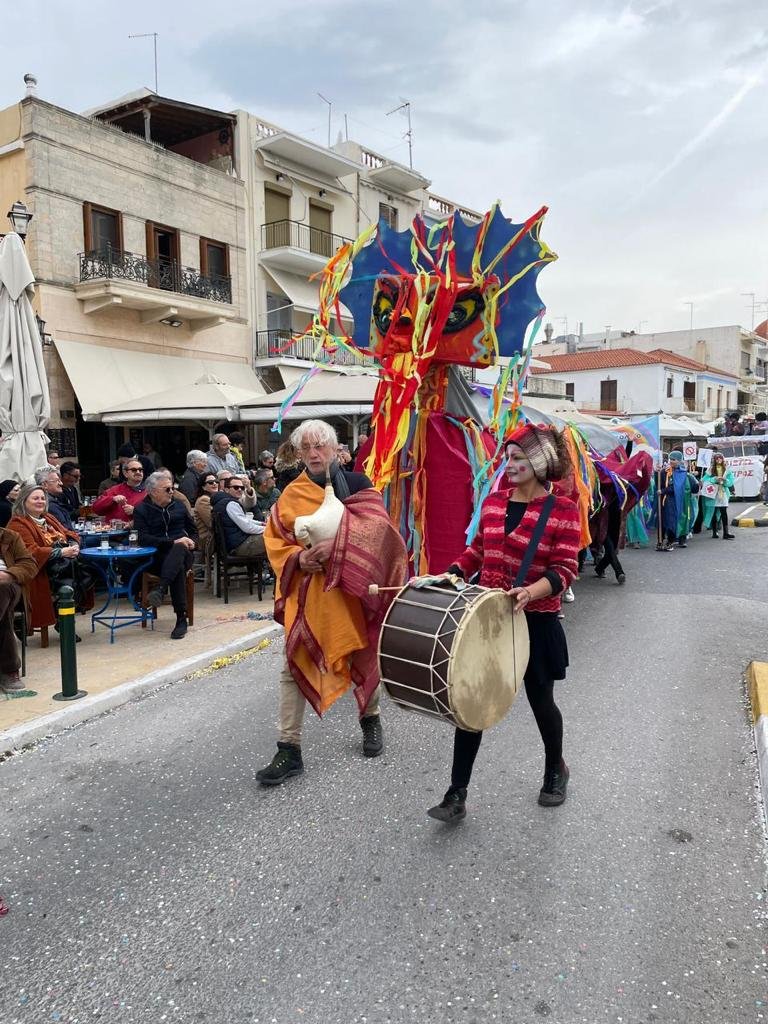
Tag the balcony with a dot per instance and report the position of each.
(282, 344)
(390, 174)
(297, 247)
(162, 290)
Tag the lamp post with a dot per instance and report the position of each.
(19, 216)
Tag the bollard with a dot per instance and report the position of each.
(69, 690)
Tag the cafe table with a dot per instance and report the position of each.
(109, 561)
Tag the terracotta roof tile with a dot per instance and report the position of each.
(607, 359)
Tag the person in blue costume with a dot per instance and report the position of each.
(679, 504)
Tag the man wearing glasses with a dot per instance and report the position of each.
(331, 622)
(117, 504)
(243, 533)
(166, 524)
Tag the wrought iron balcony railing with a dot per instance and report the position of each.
(160, 273)
(281, 343)
(295, 235)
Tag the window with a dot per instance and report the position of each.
(709, 398)
(608, 393)
(389, 215)
(214, 258)
(320, 238)
(689, 395)
(163, 257)
(102, 228)
(670, 387)
(569, 391)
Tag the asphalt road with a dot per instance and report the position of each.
(151, 879)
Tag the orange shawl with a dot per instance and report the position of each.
(331, 623)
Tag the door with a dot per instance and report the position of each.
(689, 395)
(277, 224)
(607, 394)
(163, 257)
(320, 238)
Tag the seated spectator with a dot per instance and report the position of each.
(266, 493)
(17, 569)
(178, 494)
(220, 456)
(49, 479)
(55, 550)
(9, 490)
(70, 498)
(266, 460)
(118, 504)
(243, 534)
(197, 468)
(201, 513)
(113, 478)
(126, 452)
(288, 465)
(53, 458)
(163, 522)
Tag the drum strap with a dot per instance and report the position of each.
(538, 532)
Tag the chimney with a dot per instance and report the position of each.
(31, 83)
(548, 332)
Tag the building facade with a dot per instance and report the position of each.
(625, 381)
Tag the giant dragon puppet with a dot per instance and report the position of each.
(425, 302)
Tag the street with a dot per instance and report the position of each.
(150, 878)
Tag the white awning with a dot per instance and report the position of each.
(108, 378)
(327, 394)
(303, 293)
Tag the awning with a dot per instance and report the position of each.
(108, 378)
(329, 393)
(304, 294)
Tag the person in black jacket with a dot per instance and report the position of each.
(165, 523)
(9, 492)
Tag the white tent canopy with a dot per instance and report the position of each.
(209, 398)
(25, 404)
(328, 393)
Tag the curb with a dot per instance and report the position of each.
(749, 522)
(757, 682)
(91, 707)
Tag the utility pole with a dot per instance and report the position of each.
(153, 36)
(751, 295)
(690, 306)
(330, 107)
(406, 106)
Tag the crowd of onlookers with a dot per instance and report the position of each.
(44, 527)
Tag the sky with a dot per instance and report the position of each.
(641, 125)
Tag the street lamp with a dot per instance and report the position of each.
(19, 216)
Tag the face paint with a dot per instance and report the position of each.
(519, 469)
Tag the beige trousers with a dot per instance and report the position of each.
(293, 703)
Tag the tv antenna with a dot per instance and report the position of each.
(330, 108)
(406, 107)
(153, 37)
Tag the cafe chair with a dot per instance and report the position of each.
(149, 580)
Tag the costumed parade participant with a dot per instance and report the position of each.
(532, 528)
(623, 482)
(716, 486)
(679, 505)
(328, 538)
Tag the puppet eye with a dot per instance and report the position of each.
(384, 305)
(465, 311)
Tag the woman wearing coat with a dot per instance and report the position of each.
(46, 540)
(716, 487)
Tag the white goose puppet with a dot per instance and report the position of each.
(323, 524)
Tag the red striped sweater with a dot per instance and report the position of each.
(498, 556)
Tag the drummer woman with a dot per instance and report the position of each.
(508, 532)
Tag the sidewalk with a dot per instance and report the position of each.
(136, 654)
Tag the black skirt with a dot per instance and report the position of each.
(549, 650)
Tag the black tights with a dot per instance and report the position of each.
(723, 514)
(609, 558)
(548, 718)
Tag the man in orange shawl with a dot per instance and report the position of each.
(332, 623)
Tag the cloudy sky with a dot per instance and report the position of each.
(640, 124)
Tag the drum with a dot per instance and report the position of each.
(459, 655)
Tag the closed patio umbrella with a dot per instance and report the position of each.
(25, 404)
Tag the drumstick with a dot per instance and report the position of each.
(374, 589)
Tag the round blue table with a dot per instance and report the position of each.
(108, 562)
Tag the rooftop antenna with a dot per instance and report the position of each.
(330, 107)
(153, 36)
(406, 106)
(751, 295)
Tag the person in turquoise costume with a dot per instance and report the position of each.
(679, 504)
(716, 486)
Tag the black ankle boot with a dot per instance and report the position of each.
(553, 791)
(452, 808)
(286, 763)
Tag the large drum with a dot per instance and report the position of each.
(459, 655)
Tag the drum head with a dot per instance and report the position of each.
(488, 660)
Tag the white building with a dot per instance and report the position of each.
(623, 381)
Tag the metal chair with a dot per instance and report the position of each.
(226, 562)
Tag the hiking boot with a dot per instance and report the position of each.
(155, 597)
(180, 629)
(286, 762)
(552, 793)
(452, 808)
(373, 735)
